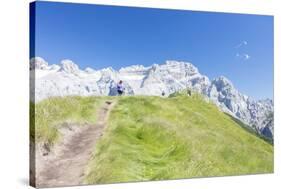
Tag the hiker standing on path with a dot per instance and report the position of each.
(120, 88)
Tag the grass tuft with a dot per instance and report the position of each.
(48, 115)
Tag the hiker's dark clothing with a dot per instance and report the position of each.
(120, 89)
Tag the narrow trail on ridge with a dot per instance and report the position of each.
(68, 166)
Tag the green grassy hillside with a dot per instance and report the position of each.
(154, 138)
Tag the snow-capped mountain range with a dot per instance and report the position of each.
(170, 77)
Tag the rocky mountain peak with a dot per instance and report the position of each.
(222, 83)
(184, 66)
(38, 63)
(108, 70)
(133, 68)
(89, 70)
(69, 66)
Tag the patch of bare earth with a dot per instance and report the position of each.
(65, 164)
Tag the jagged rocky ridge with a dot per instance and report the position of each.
(170, 77)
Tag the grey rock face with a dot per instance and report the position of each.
(38, 63)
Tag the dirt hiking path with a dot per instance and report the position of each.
(68, 166)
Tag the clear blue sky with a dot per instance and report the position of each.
(237, 46)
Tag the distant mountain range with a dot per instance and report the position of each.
(170, 77)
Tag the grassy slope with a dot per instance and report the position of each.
(51, 113)
(153, 138)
